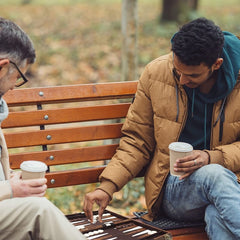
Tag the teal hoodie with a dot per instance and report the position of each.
(197, 130)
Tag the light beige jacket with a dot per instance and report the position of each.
(151, 125)
(5, 188)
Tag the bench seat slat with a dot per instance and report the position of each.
(71, 93)
(191, 236)
(76, 134)
(74, 177)
(69, 115)
(65, 156)
(186, 231)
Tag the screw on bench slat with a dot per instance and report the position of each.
(41, 94)
(52, 181)
(46, 117)
(51, 157)
(49, 137)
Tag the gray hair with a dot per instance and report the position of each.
(15, 43)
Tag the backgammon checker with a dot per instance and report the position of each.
(115, 226)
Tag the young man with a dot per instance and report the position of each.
(25, 214)
(190, 95)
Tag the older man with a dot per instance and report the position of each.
(25, 213)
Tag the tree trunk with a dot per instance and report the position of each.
(177, 10)
(129, 40)
(129, 48)
(193, 4)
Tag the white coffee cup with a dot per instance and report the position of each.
(33, 169)
(178, 150)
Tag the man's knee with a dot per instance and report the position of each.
(37, 205)
(212, 169)
(215, 172)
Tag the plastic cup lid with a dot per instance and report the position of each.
(180, 147)
(33, 166)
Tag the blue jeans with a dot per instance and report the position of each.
(211, 193)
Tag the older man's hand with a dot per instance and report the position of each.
(27, 188)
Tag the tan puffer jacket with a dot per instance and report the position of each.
(156, 119)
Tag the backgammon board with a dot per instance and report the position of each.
(115, 226)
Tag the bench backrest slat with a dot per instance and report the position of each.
(58, 157)
(63, 135)
(69, 115)
(69, 178)
(71, 93)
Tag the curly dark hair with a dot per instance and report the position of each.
(199, 41)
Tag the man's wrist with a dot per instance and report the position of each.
(208, 156)
(108, 187)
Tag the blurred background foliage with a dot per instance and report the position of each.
(79, 41)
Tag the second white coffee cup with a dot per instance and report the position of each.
(178, 150)
(33, 169)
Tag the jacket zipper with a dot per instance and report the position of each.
(213, 112)
(185, 114)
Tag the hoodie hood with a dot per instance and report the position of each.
(228, 72)
(231, 64)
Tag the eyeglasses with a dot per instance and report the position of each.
(22, 80)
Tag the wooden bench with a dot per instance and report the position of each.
(77, 125)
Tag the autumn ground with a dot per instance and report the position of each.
(80, 42)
